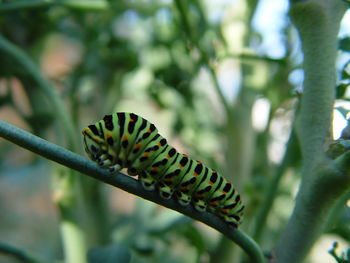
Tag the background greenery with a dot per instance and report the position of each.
(212, 84)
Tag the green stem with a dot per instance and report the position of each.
(67, 200)
(336, 212)
(323, 181)
(17, 253)
(20, 57)
(272, 188)
(318, 25)
(83, 165)
(313, 209)
(254, 57)
(204, 57)
(185, 21)
(80, 4)
(74, 241)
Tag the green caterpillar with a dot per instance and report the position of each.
(126, 140)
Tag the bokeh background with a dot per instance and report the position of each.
(219, 79)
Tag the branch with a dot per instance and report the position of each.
(80, 5)
(85, 166)
(69, 224)
(22, 59)
(179, 4)
(314, 205)
(271, 189)
(318, 25)
(17, 253)
(323, 180)
(254, 57)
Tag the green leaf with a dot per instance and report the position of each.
(345, 73)
(344, 44)
(341, 89)
(110, 254)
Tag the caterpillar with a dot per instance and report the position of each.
(126, 140)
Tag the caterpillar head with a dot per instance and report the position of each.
(94, 145)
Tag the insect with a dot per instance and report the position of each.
(126, 140)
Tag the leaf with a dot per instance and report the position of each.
(341, 89)
(345, 73)
(110, 254)
(344, 44)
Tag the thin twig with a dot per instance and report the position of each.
(81, 5)
(253, 56)
(22, 59)
(272, 188)
(70, 227)
(85, 166)
(204, 57)
(17, 253)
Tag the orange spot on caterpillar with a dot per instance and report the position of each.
(125, 138)
(195, 174)
(199, 162)
(224, 211)
(146, 154)
(211, 183)
(200, 196)
(138, 146)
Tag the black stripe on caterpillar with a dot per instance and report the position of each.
(126, 140)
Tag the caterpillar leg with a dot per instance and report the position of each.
(102, 157)
(104, 161)
(199, 205)
(182, 198)
(233, 220)
(147, 181)
(165, 191)
(115, 168)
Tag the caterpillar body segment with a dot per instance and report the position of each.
(126, 140)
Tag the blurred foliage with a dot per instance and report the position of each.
(144, 57)
(344, 256)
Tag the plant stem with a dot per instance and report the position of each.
(17, 253)
(83, 165)
(336, 212)
(20, 57)
(68, 198)
(323, 181)
(204, 57)
(81, 5)
(318, 25)
(271, 190)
